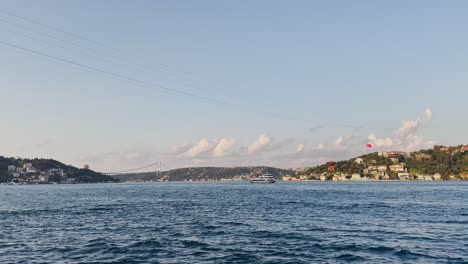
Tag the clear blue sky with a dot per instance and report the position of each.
(300, 73)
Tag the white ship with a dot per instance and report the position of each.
(265, 178)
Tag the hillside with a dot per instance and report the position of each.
(46, 171)
(444, 162)
(202, 173)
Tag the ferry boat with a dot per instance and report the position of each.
(265, 178)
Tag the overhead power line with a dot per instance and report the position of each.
(164, 88)
(139, 81)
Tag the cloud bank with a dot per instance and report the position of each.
(267, 150)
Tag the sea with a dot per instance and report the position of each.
(235, 222)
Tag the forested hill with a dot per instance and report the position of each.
(450, 162)
(202, 174)
(49, 170)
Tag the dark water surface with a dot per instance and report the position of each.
(236, 222)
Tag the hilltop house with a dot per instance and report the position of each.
(387, 154)
(421, 156)
(359, 160)
(446, 149)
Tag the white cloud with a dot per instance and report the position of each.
(339, 141)
(203, 146)
(260, 144)
(410, 127)
(224, 146)
(300, 148)
(405, 136)
(380, 142)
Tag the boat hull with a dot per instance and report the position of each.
(262, 181)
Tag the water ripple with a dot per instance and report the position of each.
(235, 223)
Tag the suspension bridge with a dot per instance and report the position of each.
(156, 165)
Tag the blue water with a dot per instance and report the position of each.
(377, 222)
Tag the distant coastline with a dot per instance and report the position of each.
(438, 164)
(47, 171)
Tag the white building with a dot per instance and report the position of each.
(421, 177)
(27, 165)
(31, 170)
(382, 168)
(11, 168)
(359, 161)
(397, 167)
(403, 176)
(356, 177)
(44, 178)
(437, 177)
(387, 154)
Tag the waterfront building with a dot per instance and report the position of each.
(287, 178)
(422, 177)
(403, 176)
(44, 178)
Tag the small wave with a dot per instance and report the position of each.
(239, 258)
(230, 223)
(194, 244)
(407, 254)
(350, 257)
(285, 236)
(150, 243)
(101, 208)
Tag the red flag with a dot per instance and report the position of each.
(369, 145)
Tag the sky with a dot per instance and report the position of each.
(122, 84)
